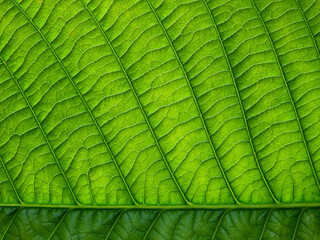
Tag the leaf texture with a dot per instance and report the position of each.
(149, 103)
(31, 223)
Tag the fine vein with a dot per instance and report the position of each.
(84, 102)
(241, 105)
(309, 29)
(41, 129)
(140, 105)
(290, 96)
(195, 101)
(8, 175)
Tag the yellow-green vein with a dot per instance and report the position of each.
(265, 224)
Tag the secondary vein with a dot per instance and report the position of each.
(115, 223)
(265, 224)
(9, 177)
(241, 105)
(84, 102)
(290, 96)
(219, 223)
(309, 29)
(41, 129)
(60, 221)
(153, 222)
(10, 223)
(139, 103)
(196, 103)
(297, 224)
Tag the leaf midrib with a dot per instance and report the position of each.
(172, 207)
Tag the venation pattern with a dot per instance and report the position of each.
(159, 102)
(55, 224)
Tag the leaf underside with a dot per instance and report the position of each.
(159, 119)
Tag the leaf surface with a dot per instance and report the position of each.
(189, 119)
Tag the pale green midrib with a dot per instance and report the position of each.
(290, 96)
(41, 129)
(7, 172)
(87, 107)
(172, 207)
(115, 223)
(140, 105)
(10, 223)
(196, 103)
(60, 221)
(297, 223)
(152, 223)
(265, 224)
(241, 105)
(219, 223)
(309, 29)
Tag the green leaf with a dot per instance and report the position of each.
(33, 223)
(191, 119)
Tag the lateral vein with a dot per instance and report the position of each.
(10, 223)
(153, 222)
(9, 177)
(241, 105)
(196, 102)
(60, 221)
(309, 29)
(84, 102)
(219, 223)
(115, 223)
(41, 129)
(290, 96)
(297, 223)
(139, 103)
